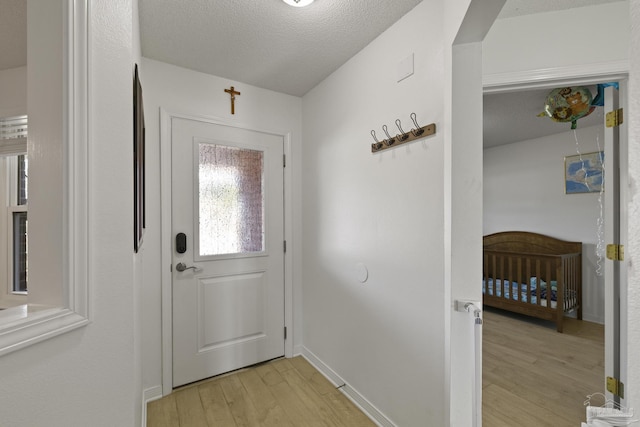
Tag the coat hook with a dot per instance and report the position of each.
(418, 130)
(403, 136)
(377, 144)
(390, 140)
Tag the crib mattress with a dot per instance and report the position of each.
(520, 291)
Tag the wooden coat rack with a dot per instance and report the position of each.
(403, 137)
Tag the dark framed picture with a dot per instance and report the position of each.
(138, 164)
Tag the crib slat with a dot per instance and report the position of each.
(568, 279)
(495, 276)
(511, 278)
(503, 283)
(519, 278)
(560, 300)
(528, 262)
(538, 302)
(548, 276)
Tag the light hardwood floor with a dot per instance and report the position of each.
(535, 376)
(281, 393)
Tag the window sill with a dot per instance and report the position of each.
(28, 324)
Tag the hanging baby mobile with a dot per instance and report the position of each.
(568, 104)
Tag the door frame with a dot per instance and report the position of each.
(582, 75)
(166, 235)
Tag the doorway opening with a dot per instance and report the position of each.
(525, 189)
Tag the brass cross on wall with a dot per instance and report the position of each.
(233, 94)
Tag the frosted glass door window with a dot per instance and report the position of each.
(231, 200)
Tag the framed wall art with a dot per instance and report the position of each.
(584, 173)
(138, 164)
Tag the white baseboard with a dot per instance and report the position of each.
(149, 395)
(359, 400)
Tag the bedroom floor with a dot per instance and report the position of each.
(535, 376)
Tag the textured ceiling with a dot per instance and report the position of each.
(265, 43)
(528, 7)
(512, 117)
(274, 46)
(271, 45)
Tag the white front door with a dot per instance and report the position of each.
(228, 256)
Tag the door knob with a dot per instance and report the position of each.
(181, 266)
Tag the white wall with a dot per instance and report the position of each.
(633, 295)
(183, 91)
(138, 300)
(524, 191)
(87, 377)
(385, 338)
(567, 38)
(13, 92)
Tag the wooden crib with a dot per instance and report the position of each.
(532, 274)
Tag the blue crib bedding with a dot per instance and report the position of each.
(515, 290)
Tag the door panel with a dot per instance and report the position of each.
(228, 286)
(218, 328)
(615, 233)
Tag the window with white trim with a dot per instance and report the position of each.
(14, 223)
(17, 230)
(58, 304)
(13, 220)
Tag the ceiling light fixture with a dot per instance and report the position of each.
(298, 3)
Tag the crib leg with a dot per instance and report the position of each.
(559, 321)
